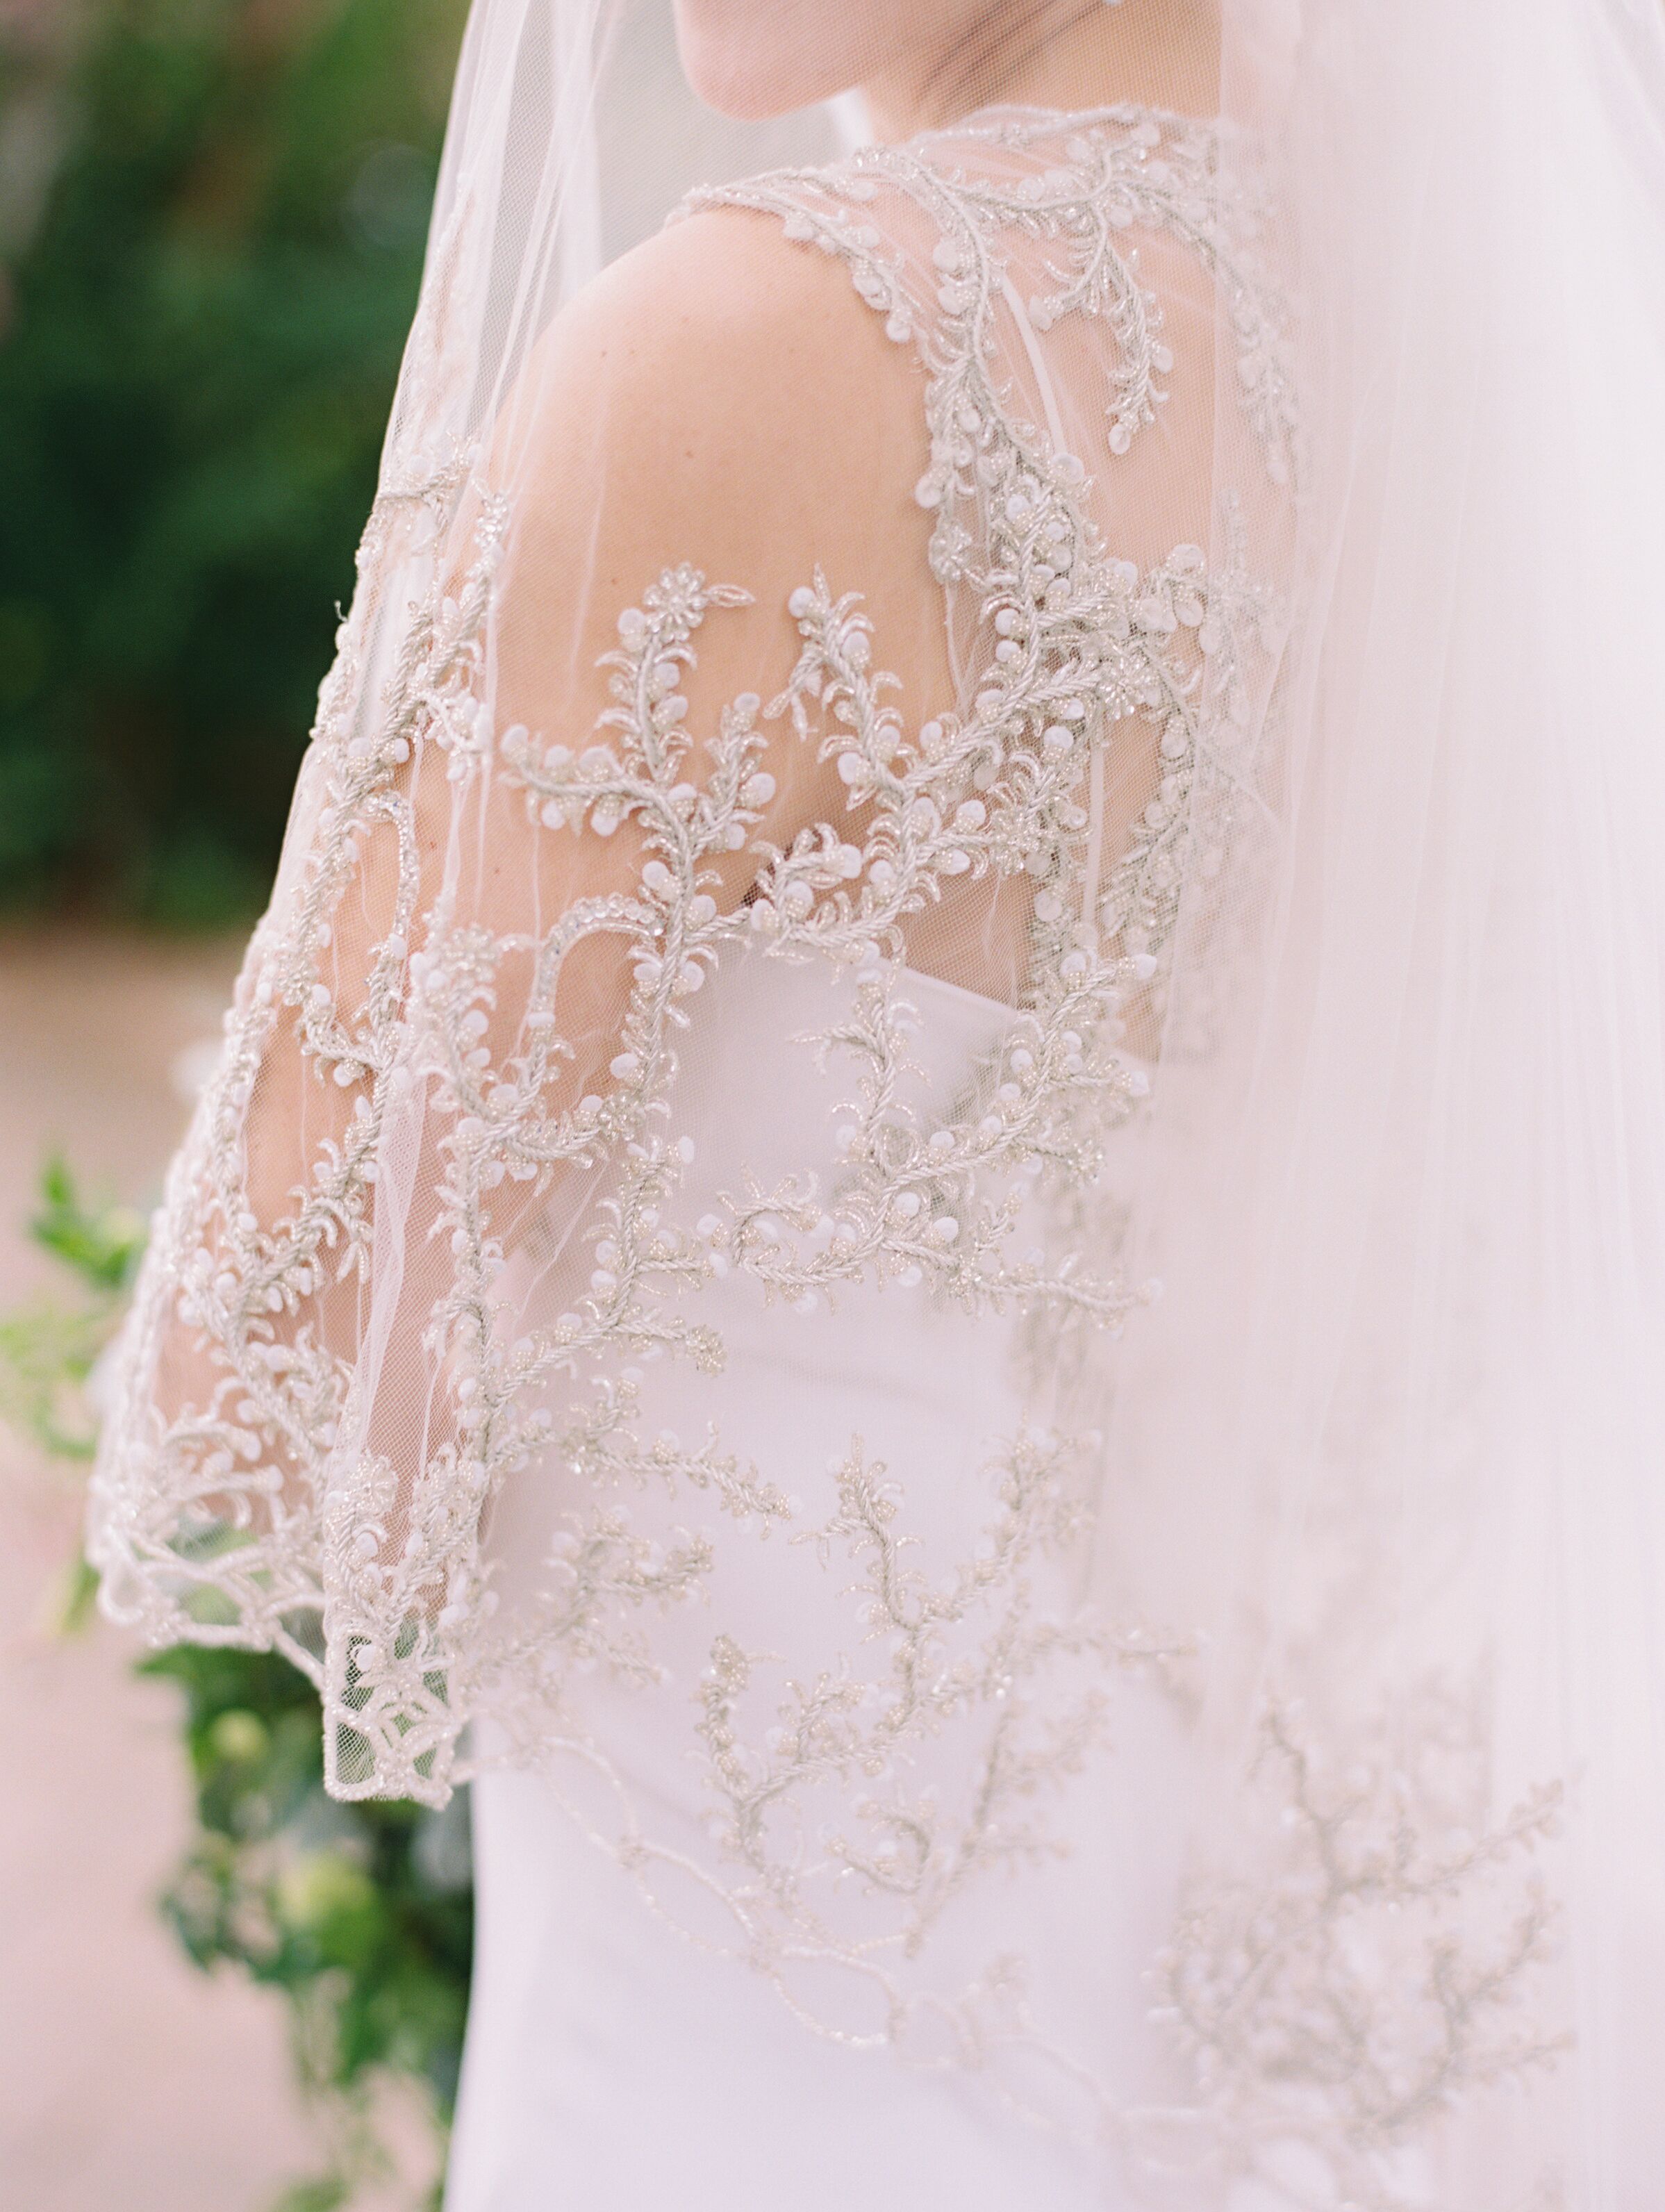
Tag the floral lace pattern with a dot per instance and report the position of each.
(265, 1511)
(1385, 1970)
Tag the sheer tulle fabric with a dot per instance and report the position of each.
(1172, 1082)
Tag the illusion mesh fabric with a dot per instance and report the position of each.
(938, 1181)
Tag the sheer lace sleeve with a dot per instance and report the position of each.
(541, 787)
(808, 641)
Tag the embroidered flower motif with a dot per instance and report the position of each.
(269, 1503)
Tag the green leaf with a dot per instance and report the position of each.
(101, 1243)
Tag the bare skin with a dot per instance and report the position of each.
(923, 65)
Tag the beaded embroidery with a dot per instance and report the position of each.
(259, 1514)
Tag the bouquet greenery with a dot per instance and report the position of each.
(359, 1916)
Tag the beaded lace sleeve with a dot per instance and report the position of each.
(469, 995)
(605, 1021)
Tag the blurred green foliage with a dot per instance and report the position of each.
(47, 1350)
(102, 1245)
(361, 1916)
(212, 223)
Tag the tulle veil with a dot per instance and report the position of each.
(1388, 1444)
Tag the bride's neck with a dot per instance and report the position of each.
(1065, 53)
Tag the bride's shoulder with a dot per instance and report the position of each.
(718, 358)
(719, 397)
(721, 333)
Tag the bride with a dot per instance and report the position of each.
(935, 1207)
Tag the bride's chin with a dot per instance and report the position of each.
(757, 58)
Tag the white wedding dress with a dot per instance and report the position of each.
(613, 2061)
(624, 2049)
(934, 1220)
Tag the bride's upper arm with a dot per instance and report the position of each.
(719, 397)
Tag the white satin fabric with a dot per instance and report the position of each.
(1299, 720)
(612, 2062)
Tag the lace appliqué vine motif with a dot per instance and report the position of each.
(1381, 1963)
(1174, 644)
(264, 1507)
